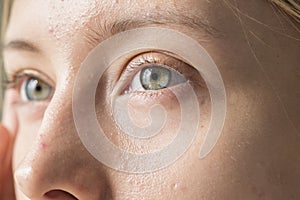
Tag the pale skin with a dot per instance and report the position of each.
(257, 156)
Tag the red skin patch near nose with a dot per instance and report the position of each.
(43, 146)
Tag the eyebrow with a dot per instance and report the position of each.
(102, 29)
(21, 45)
(95, 33)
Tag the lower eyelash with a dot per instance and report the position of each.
(149, 93)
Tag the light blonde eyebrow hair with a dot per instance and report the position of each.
(21, 45)
(102, 29)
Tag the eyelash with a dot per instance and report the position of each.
(16, 79)
(136, 64)
(149, 58)
(133, 66)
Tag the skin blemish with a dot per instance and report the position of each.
(43, 146)
(50, 29)
(178, 187)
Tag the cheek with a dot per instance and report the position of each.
(26, 137)
(24, 120)
(30, 116)
(157, 116)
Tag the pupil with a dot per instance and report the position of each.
(38, 88)
(154, 76)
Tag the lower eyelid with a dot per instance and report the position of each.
(158, 96)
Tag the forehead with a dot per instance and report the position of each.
(63, 29)
(67, 15)
(66, 19)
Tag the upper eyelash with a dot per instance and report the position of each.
(139, 61)
(148, 58)
(143, 60)
(14, 79)
(134, 65)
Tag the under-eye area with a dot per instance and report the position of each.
(145, 81)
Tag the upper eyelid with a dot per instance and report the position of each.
(137, 62)
(14, 78)
(155, 57)
(149, 58)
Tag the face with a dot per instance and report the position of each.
(255, 48)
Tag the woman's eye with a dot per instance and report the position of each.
(34, 89)
(156, 77)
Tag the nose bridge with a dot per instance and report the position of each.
(58, 160)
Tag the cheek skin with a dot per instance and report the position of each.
(27, 136)
(259, 151)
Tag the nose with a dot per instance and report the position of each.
(58, 166)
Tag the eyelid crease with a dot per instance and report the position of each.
(142, 60)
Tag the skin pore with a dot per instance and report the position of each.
(256, 50)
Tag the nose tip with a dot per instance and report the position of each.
(22, 177)
(38, 185)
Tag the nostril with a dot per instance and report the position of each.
(59, 194)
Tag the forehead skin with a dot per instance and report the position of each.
(249, 46)
(66, 22)
(66, 18)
